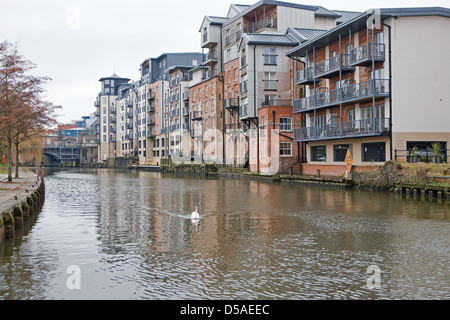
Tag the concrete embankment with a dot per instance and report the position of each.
(19, 200)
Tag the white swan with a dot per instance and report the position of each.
(195, 215)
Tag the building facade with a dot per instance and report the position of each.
(354, 89)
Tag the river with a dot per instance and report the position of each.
(106, 234)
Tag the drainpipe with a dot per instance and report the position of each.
(221, 79)
(254, 106)
(390, 89)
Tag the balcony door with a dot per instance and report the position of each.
(378, 77)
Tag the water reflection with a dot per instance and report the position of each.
(131, 235)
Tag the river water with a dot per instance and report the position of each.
(105, 234)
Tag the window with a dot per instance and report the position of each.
(340, 152)
(227, 37)
(269, 81)
(319, 153)
(375, 152)
(229, 76)
(270, 57)
(286, 149)
(285, 124)
(228, 55)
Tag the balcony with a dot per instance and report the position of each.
(305, 76)
(129, 137)
(186, 112)
(96, 104)
(151, 121)
(113, 111)
(151, 96)
(174, 113)
(264, 23)
(174, 127)
(186, 126)
(97, 114)
(196, 115)
(243, 86)
(331, 67)
(277, 103)
(151, 133)
(243, 111)
(129, 125)
(113, 119)
(348, 129)
(210, 57)
(129, 103)
(363, 55)
(232, 103)
(241, 126)
(375, 88)
(129, 115)
(186, 96)
(208, 38)
(150, 109)
(208, 74)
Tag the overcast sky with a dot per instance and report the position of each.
(76, 42)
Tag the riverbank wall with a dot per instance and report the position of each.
(20, 200)
(420, 181)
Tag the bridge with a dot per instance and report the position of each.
(62, 152)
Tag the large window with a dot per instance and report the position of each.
(270, 57)
(319, 153)
(375, 152)
(340, 152)
(270, 83)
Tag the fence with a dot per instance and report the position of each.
(422, 156)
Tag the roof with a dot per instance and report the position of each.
(270, 2)
(360, 21)
(346, 15)
(213, 20)
(114, 76)
(175, 67)
(269, 39)
(323, 12)
(305, 34)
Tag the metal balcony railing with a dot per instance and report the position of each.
(196, 115)
(232, 103)
(339, 130)
(267, 22)
(364, 54)
(305, 76)
(347, 94)
(243, 86)
(333, 65)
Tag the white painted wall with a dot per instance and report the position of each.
(421, 69)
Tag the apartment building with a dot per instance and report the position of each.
(255, 40)
(361, 87)
(206, 115)
(120, 108)
(105, 112)
(176, 122)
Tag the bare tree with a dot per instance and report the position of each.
(23, 111)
